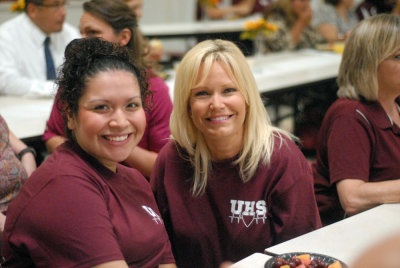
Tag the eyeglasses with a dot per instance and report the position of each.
(55, 6)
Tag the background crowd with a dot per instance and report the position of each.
(134, 180)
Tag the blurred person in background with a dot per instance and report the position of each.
(293, 19)
(335, 19)
(232, 9)
(22, 48)
(236, 8)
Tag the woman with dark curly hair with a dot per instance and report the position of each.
(82, 208)
(114, 21)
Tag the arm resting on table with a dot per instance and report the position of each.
(356, 195)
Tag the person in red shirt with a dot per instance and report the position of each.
(81, 208)
(358, 156)
(229, 184)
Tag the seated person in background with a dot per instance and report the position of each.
(358, 156)
(101, 213)
(293, 18)
(22, 48)
(236, 8)
(229, 183)
(370, 8)
(114, 21)
(230, 9)
(335, 19)
(17, 162)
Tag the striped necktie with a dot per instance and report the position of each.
(50, 70)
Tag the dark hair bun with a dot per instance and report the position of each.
(82, 52)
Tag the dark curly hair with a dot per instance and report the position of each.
(86, 57)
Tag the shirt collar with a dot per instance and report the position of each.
(376, 113)
(37, 35)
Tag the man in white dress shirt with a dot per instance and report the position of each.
(22, 56)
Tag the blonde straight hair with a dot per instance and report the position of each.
(370, 42)
(258, 132)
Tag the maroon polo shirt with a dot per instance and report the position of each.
(357, 140)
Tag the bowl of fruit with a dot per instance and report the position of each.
(304, 260)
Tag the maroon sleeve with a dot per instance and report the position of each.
(55, 124)
(158, 123)
(294, 206)
(349, 139)
(74, 228)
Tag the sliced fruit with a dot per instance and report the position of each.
(336, 264)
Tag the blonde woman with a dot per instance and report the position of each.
(358, 154)
(229, 184)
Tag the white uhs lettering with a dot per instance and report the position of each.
(249, 209)
(247, 212)
(151, 212)
(261, 207)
